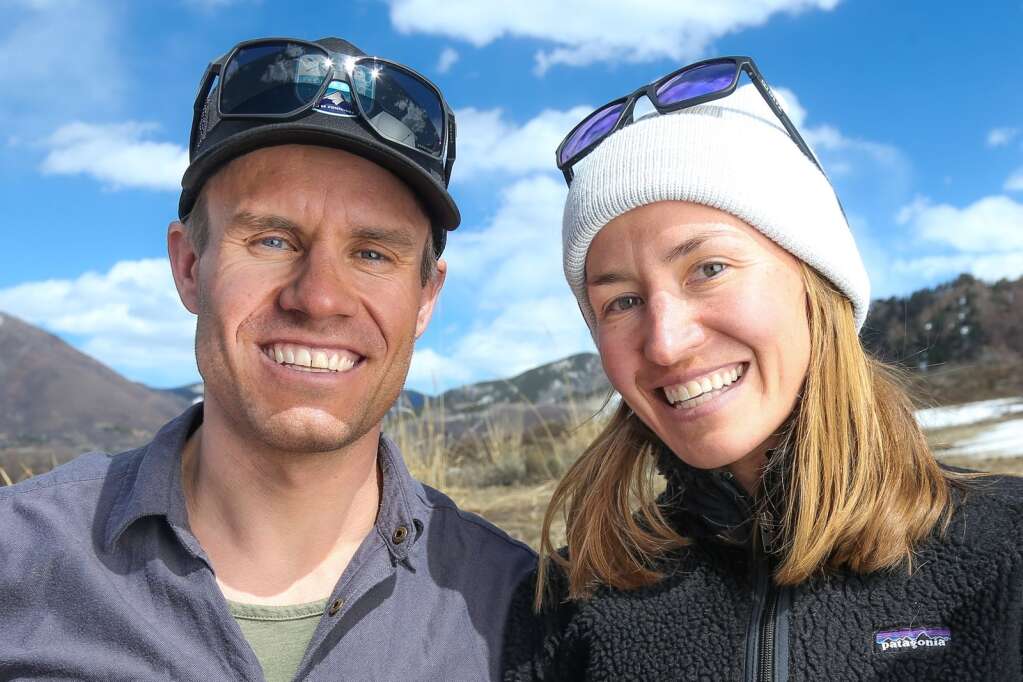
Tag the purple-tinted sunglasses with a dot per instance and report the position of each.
(697, 83)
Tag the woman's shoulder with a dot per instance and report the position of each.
(539, 640)
(988, 512)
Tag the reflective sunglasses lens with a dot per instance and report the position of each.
(597, 126)
(272, 78)
(698, 81)
(400, 106)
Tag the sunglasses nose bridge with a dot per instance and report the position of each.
(627, 115)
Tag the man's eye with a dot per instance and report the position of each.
(623, 303)
(370, 254)
(275, 243)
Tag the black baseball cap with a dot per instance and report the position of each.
(216, 141)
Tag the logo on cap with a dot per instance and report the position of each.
(337, 100)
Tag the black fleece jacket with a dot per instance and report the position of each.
(718, 616)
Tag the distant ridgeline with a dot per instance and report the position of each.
(964, 321)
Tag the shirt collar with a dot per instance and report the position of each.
(152, 487)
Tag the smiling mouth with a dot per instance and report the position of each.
(308, 359)
(703, 389)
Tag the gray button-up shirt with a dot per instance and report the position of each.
(101, 578)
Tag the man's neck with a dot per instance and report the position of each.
(278, 527)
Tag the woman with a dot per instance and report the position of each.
(805, 531)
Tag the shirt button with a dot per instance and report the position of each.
(400, 533)
(335, 607)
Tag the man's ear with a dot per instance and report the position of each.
(184, 262)
(428, 297)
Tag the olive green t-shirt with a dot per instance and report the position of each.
(278, 634)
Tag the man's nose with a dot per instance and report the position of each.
(673, 329)
(323, 286)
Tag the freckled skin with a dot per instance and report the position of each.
(320, 281)
(665, 318)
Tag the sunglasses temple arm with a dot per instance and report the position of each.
(449, 162)
(201, 95)
(790, 128)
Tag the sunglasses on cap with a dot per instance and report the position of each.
(281, 78)
(697, 83)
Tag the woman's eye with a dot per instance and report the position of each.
(623, 303)
(712, 269)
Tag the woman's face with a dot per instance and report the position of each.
(702, 328)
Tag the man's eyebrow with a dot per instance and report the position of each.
(397, 238)
(263, 221)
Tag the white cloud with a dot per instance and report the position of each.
(432, 372)
(994, 221)
(117, 154)
(840, 154)
(518, 254)
(525, 334)
(984, 239)
(129, 318)
(487, 141)
(508, 275)
(999, 137)
(990, 267)
(447, 59)
(1014, 183)
(588, 31)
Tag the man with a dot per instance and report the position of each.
(272, 530)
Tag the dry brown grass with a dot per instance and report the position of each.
(506, 474)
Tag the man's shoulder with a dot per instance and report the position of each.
(71, 490)
(80, 471)
(490, 540)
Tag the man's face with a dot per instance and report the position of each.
(308, 295)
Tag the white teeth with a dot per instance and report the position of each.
(697, 392)
(309, 359)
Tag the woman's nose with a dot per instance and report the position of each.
(673, 329)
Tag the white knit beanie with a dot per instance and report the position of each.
(731, 154)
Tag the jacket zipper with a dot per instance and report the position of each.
(767, 631)
(760, 658)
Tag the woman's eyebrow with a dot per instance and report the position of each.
(607, 278)
(693, 243)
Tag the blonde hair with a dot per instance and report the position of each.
(861, 487)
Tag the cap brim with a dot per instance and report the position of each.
(444, 213)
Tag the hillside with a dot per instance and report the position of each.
(55, 397)
(959, 342)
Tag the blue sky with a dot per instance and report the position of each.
(914, 108)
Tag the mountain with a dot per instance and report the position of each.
(55, 397)
(961, 341)
(545, 397)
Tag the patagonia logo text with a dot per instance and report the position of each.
(912, 638)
